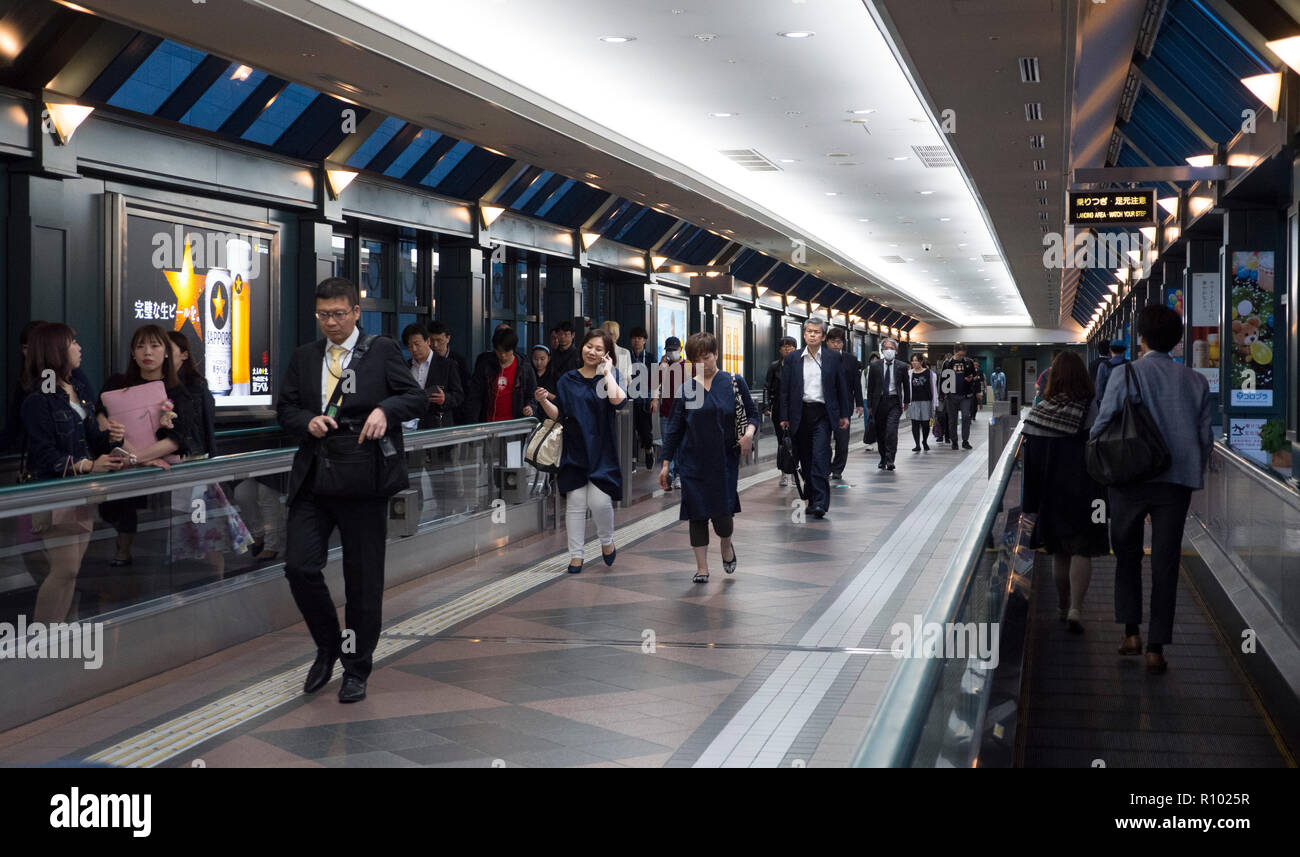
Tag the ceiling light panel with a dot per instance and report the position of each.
(679, 80)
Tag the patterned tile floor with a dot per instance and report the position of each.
(745, 670)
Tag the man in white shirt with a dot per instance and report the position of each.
(814, 397)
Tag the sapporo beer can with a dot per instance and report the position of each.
(239, 256)
(216, 331)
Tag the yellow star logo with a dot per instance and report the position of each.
(187, 288)
(220, 303)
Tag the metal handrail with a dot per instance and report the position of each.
(97, 488)
(895, 732)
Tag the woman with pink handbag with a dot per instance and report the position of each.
(63, 439)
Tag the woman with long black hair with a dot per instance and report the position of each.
(62, 439)
(925, 399)
(701, 438)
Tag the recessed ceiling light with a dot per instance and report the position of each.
(863, 112)
(797, 34)
(832, 193)
(722, 115)
(925, 192)
(944, 219)
(899, 158)
(788, 160)
(706, 37)
(617, 40)
(837, 154)
(864, 220)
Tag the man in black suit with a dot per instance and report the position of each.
(565, 357)
(813, 399)
(772, 394)
(889, 391)
(440, 341)
(853, 381)
(378, 393)
(436, 375)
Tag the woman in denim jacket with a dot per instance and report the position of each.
(63, 438)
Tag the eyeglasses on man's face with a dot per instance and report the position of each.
(332, 315)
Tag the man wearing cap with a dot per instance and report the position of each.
(772, 395)
(1117, 349)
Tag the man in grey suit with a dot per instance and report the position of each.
(1179, 401)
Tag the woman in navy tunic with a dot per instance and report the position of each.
(589, 477)
(700, 439)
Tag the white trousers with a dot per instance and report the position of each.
(575, 517)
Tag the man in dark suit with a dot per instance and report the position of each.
(378, 393)
(889, 391)
(852, 380)
(566, 356)
(438, 377)
(814, 398)
(440, 341)
(772, 394)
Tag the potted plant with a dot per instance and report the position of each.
(1272, 439)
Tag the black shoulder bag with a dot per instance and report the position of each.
(1130, 448)
(371, 470)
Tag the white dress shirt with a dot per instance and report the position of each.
(812, 377)
(349, 344)
(421, 370)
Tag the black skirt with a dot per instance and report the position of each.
(1058, 489)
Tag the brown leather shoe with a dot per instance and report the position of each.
(1131, 645)
(1156, 663)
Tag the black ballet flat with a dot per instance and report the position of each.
(575, 569)
(700, 577)
(609, 557)
(729, 565)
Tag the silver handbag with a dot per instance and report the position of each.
(544, 446)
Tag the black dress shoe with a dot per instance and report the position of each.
(965, 445)
(880, 466)
(322, 670)
(818, 512)
(889, 467)
(353, 689)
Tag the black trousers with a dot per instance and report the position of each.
(641, 424)
(723, 525)
(888, 410)
(362, 530)
(965, 405)
(1166, 504)
(841, 457)
(813, 443)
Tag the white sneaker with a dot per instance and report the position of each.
(785, 480)
(677, 483)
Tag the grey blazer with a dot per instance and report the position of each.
(1179, 400)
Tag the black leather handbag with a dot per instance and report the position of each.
(1130, 448)
(786, 459)
(370, 470)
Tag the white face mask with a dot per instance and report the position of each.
(888, 353)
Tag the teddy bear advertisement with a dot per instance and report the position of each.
(1251, 302)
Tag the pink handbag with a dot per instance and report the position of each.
(139, 408)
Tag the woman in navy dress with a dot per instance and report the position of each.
(700, 439)
(589, 477)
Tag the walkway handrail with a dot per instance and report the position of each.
(97, 488)
(895, 731)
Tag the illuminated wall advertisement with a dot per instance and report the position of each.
(1174, 300)
(733, 341)
(1204, 337)
(214, 283)
(670, 318)
(1250, 303)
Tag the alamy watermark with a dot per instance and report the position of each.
(1088, 249)
(960, 640)
(83, 641)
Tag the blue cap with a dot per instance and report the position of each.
(542, 347)
(1119, 343)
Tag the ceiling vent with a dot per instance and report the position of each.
(1038, 141)
(934, 156)
(992, 257)
(750, 160)
(1042, 215)
(1029, 70)
(1042, 200)
(1040, 184)
(1150, 27)
(894, 260)
(1034, 111)
(1040, 165)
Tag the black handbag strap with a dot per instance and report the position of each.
(1130, 374)
(358, 351)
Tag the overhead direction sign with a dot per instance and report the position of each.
(1112, 208)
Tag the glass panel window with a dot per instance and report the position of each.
(223, 97)
(373, 276)
(408, 279)
(373, 322)
(498, 289)
(157, 78)
(342, 246)
(412, 154)
(375, 142)
(521, 288)
(279, 114)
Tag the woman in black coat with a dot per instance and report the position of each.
(1071, 526)
(701, 438)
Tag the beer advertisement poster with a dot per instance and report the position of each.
(211, 283)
